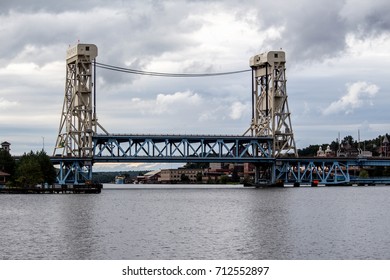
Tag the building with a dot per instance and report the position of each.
(3, 178)
(180, 175)
(216, 171)
(385, 147)
(150, 177)
(347, 150)
(327, 153)
(5, 146)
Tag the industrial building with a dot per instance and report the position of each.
(176, 175)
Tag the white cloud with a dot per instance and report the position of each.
(166, 103)
(213, 114)
(187, 97)
(358, 94)
(6, 104)
(238, 109)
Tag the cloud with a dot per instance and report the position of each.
(367, 17)
(238, 109)
(317, 32)
(6, 104)
(153, 28)
(358, 94)
(166, 103)
(327, 44)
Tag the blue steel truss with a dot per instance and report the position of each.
(309, 170)
(198, 148)
(73, 170)
(163, 148)
(329, 171)
(181, 148)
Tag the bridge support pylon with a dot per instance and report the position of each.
(78, 122)
(270, 111)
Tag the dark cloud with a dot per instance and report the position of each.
(27, 6)
(148, 29)
(374, 22)
(314, 30)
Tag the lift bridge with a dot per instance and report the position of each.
(268, 143)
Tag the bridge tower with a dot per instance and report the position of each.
(78, 118)
(78, 122)
(270, 112)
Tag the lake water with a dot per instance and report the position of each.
(182, 222)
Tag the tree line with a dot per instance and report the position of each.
(30, 170)
(372, 145)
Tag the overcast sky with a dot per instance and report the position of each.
(337, 53)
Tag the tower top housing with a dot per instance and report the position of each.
(82, 49)
(267, 57)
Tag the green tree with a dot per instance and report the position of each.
(184, 178)
(235, 178)
(347, 140)
(386, 172)
(7, 163)
(35, 168)
(363, 173)
(28, 172)
(224, 179)
(199, 177)
(47, 168)
(309, 151)
(196, 165)
(378, 171)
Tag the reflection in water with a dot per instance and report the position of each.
(269, 225)
(185, 223)
(78, 231)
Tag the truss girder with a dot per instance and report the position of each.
(73, 170)
(306, 171)
(181, 148)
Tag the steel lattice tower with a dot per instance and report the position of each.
(270, 112)
(78, 118)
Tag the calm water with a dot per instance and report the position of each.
(204, 223)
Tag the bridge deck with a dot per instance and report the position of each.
(210, 148)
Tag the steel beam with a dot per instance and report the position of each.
(72, 170)
(329, 171)
(181, 148)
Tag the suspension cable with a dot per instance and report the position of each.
(161, 74)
